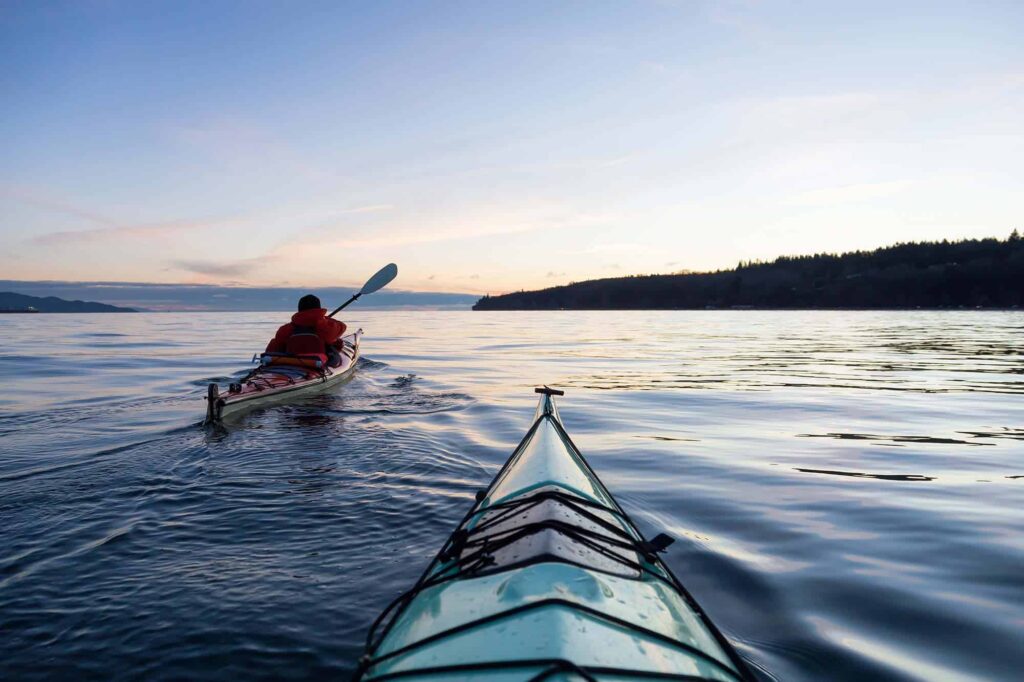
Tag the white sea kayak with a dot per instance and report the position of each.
(547, 578)
(281, 379)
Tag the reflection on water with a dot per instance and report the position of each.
(894, 439)
(822, 472)
(1005, 432)
(857, 474)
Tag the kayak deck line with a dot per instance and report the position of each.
(269, 383)
(528, 533)
(549, 667)
(536, 605)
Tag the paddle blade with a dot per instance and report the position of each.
(380, 280)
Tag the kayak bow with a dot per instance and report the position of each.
(548, 578)
(271, 383)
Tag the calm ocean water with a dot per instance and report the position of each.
(846, 488)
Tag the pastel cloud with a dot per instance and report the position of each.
(829, 196)
(171, 229)
(242, 269)
(48, 202)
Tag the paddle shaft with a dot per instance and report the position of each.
(380, 279)
(351, 300)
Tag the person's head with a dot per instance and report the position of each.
(308, 302)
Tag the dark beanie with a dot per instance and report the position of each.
(309, 301)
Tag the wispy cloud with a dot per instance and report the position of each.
(809, 113)
(110, 227)
(247, 148)
(739, 15)
(114, 229)
(119, 232)
(210, 268)
(441, 225)
(616, 248)
(44, 201)
(827, 196)
(243, 268)
(374, 208)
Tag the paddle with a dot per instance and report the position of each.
(378, 281)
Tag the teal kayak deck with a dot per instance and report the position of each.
(547, 578)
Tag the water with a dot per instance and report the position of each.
(846, 488)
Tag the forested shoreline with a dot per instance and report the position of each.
(970, 273)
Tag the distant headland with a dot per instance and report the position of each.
(169, 297)
(971, 273)
(11, 302)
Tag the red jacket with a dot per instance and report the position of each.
(328, 329)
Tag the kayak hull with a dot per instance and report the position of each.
(273, 384)
(548, 578)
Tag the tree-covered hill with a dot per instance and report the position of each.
(12, 302)
(967, 273)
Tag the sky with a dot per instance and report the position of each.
(488, 147)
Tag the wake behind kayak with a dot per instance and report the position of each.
(547, 578)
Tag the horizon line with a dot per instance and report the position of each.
(233, 285)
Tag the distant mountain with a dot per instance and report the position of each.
(10, 301)
(204, 297)
(969, 273)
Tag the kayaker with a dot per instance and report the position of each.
(310, 332)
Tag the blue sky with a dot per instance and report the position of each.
(488, 146)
